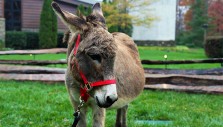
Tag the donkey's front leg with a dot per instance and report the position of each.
(83, 117)
(121, 117)
(83, 112)
(98, 116)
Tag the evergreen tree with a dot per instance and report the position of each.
(83, 10)
(48, 26)
(194, 36)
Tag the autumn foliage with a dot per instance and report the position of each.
(188, 14)
(215, 12)
(187, 19)
(186, 2)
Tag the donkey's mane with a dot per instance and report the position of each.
(100, 41)
(96, 20)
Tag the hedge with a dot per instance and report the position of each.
(32, 40)
(2, 44)
(60, 43)
(15, 40)
(28, 40)
(214, 47)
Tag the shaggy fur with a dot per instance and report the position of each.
(101, 56)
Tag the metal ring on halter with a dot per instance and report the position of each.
(87, 86)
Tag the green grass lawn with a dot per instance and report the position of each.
(175, 53)
(33, 104)
(146, 53)
(34, 57)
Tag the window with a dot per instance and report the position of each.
(13, 15)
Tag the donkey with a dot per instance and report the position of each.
(98, 56)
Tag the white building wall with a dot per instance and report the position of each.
(163, 28)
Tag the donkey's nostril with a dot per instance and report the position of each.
(111, 99)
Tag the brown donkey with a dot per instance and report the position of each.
(102, 65)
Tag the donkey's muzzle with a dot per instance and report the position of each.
(109, 100)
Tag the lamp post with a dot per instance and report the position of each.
(165, 57)
(205, 26)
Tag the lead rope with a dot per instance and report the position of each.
(77, 113)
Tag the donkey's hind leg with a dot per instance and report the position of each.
(121, 117)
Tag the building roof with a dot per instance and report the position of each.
(90, 1)
(78, 2)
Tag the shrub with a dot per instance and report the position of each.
(15, 40)
(2, 44)
(214, 47)
(32, 40)
(60, 43)
(190, 39)
(48, 26)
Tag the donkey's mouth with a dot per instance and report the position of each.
(106, 104)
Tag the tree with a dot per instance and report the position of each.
(48, 26)
(187, 18)
(215, 13)
(120, 16)
(116, 19)
(83, 10)
(196, 17)
(186, 2)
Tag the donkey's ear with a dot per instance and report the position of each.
(72, 21)
(97, 11)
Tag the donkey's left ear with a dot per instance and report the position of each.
(97, 11)
(72, 21)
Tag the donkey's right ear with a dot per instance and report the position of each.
(97, 11)
(72, 21)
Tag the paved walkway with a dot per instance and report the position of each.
(52, 75)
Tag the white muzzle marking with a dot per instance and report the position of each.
(106, 95)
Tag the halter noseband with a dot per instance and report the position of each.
(87, 86)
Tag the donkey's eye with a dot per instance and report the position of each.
(96, 57)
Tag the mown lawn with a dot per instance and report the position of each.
(175, 53)
(33, 104)
(146, 53)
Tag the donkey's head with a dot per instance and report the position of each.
(96, 53)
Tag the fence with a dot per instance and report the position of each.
(155, 78)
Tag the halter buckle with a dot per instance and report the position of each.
(87, 86)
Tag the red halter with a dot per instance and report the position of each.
(87, 85)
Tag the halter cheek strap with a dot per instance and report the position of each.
(87, 86)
